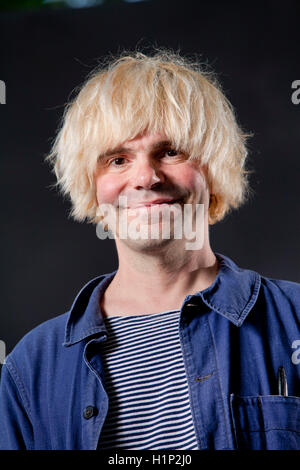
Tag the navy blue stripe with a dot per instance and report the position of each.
(146, 384)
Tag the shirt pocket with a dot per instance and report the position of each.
(268, 422)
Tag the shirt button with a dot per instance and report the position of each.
(89, 412)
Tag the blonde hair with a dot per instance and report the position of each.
(161, 92)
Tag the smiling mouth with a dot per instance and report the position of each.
(162, 202)
(159, 203)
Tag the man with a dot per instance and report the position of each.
(179, 348)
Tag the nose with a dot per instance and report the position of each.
(147, 174)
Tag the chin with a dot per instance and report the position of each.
(148, 245)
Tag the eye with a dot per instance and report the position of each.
(171, 153)
(117, 161)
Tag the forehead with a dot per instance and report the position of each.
(147, 139)
(147, 142)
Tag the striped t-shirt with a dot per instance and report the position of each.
(146, 384)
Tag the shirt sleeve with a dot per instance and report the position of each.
(16, 432)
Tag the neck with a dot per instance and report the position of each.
(160, 280)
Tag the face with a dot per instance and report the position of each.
(144, 177)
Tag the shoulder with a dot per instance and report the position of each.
(279, 288)
(282, 288)
(47, 336)
(34, 358)
(281, 300)
(248, 287)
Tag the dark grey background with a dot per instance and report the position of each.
(46, 257)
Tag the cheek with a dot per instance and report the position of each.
(191, 177)
(107, 188)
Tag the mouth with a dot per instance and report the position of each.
(157, 203)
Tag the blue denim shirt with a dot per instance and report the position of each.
(234, 336)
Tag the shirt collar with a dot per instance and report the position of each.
(232, 294)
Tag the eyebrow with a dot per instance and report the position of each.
(119, 150)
